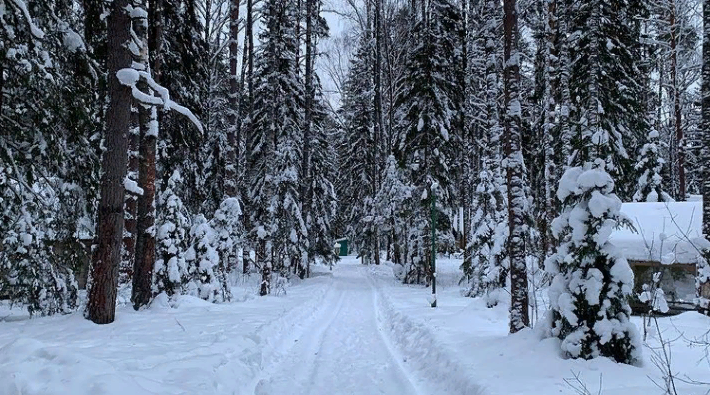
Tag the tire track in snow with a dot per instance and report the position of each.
(273, 374)
(342, 352)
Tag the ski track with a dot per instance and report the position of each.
(342, 350)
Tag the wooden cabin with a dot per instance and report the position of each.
(667, 237)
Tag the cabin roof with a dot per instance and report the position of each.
(666, 232)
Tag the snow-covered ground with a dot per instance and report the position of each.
(471, 344)
(354, 330)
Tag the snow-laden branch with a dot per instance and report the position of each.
(130, 77)
(36, 31)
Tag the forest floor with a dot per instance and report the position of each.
(353, 330)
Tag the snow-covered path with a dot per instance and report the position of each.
(343, 350)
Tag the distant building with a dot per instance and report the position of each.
(667, 238)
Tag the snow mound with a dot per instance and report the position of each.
(30, 367)
(421, 350)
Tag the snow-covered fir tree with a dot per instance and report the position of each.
(322, 201)
(650, 168)
(428, 102)
(228, 228)
(592, 279)
(278, 227)
(488, 272)
(606, 85)
(356, 148)
(392, 204)
(207, 279)
(184, 62)
(46, 148)
(173, 224)
(30, 274)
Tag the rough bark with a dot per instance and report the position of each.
(677, 113)
(519, 318)
(249, 73)
(131, 205)
(231, 171)
(101, 307)
(377, 80)
(549, 139)
(705, 89)
(565, 94)
(145, 242)
(310, 96)
(155, 37)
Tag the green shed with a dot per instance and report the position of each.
(341, 246)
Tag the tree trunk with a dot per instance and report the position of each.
(377, 146)
(101, 307)
(705, 89)
(565, 94)
(155, 38)
(519, 318)
(550, 176)
(677, 114)
(261, 256)
(131, 205)
(377, 80)
(306, 155)
(231, 171)
(145, 242)
(248, 80)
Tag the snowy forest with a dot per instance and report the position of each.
(222, 150)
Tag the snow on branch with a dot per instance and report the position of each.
(36, 31)
(130, 77)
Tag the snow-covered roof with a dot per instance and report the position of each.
(666, 232)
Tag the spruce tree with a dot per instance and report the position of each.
(356, 144)
(650, 168)
(392, 205)
(322, 201)
(275, 152)
(428, 103)
(489, 267)
(227, 224)
(29, 271)
(607, 85)
(173, 226)
(207, 280)
(592, 279)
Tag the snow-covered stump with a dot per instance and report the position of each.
(592, 279)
